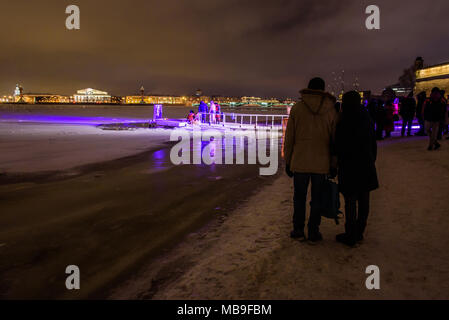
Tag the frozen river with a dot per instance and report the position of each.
(41, 138)
(109, 201)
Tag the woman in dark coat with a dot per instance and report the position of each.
(356, 150)
(389, 119)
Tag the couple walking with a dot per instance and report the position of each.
(322, 143)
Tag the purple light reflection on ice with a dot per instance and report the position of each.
(160, 160)
(65, 119)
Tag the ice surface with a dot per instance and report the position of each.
(43, 147)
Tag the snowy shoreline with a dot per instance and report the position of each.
(250, 256)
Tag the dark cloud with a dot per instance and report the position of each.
(230, 47)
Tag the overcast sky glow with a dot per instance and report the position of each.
(228, 47)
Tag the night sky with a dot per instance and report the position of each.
(227, 47)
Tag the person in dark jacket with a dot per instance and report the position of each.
(203, 110)
(433, 114)
(407, 112)
(191, 117)
(381, 116)
(372, 109)
(389, 118)
(421, 99)
(356, 150)
(443, 120)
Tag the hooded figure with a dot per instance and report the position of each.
(389, 118)
(356, 149)
(308, 141)
(434, 110)
(407, 112)
(421, 99)
(203, 110)
(202, 107)
(310, 130)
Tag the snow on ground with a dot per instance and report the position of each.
(32, 147)
(250, 254)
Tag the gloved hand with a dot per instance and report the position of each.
(288, 171)
(333, 173)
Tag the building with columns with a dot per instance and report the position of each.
(431, 77)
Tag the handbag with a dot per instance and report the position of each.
(330, 201)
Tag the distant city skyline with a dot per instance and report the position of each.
(226, 47)
(16, 91)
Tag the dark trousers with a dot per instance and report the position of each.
(422, 126)
(356, 216)
(301, 185)
(440, 130)
(432, 129)
(407, 124)
(379, 131)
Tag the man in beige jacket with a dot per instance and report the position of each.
(308, 141)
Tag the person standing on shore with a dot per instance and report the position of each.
(372, 107)
(407, 112)
(433, 114)
(217, 113)
(381, 116)
(309, 136)
(202, 109)
(212, 112)
(389, 118)
(421, 97)
(356, 150)
(443, 120)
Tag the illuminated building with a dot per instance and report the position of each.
(7, 99)
(90, 95)
(401, 91)
(117, 100)
(364, 95)
(156, 99)
(44, 98)
(191, 101)
(251, 100)
(256, 101)
(226, 100)
(433, 76)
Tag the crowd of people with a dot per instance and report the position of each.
(430, 112)
(206, 114)
(325, 140)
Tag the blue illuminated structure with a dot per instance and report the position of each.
(157, 112)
